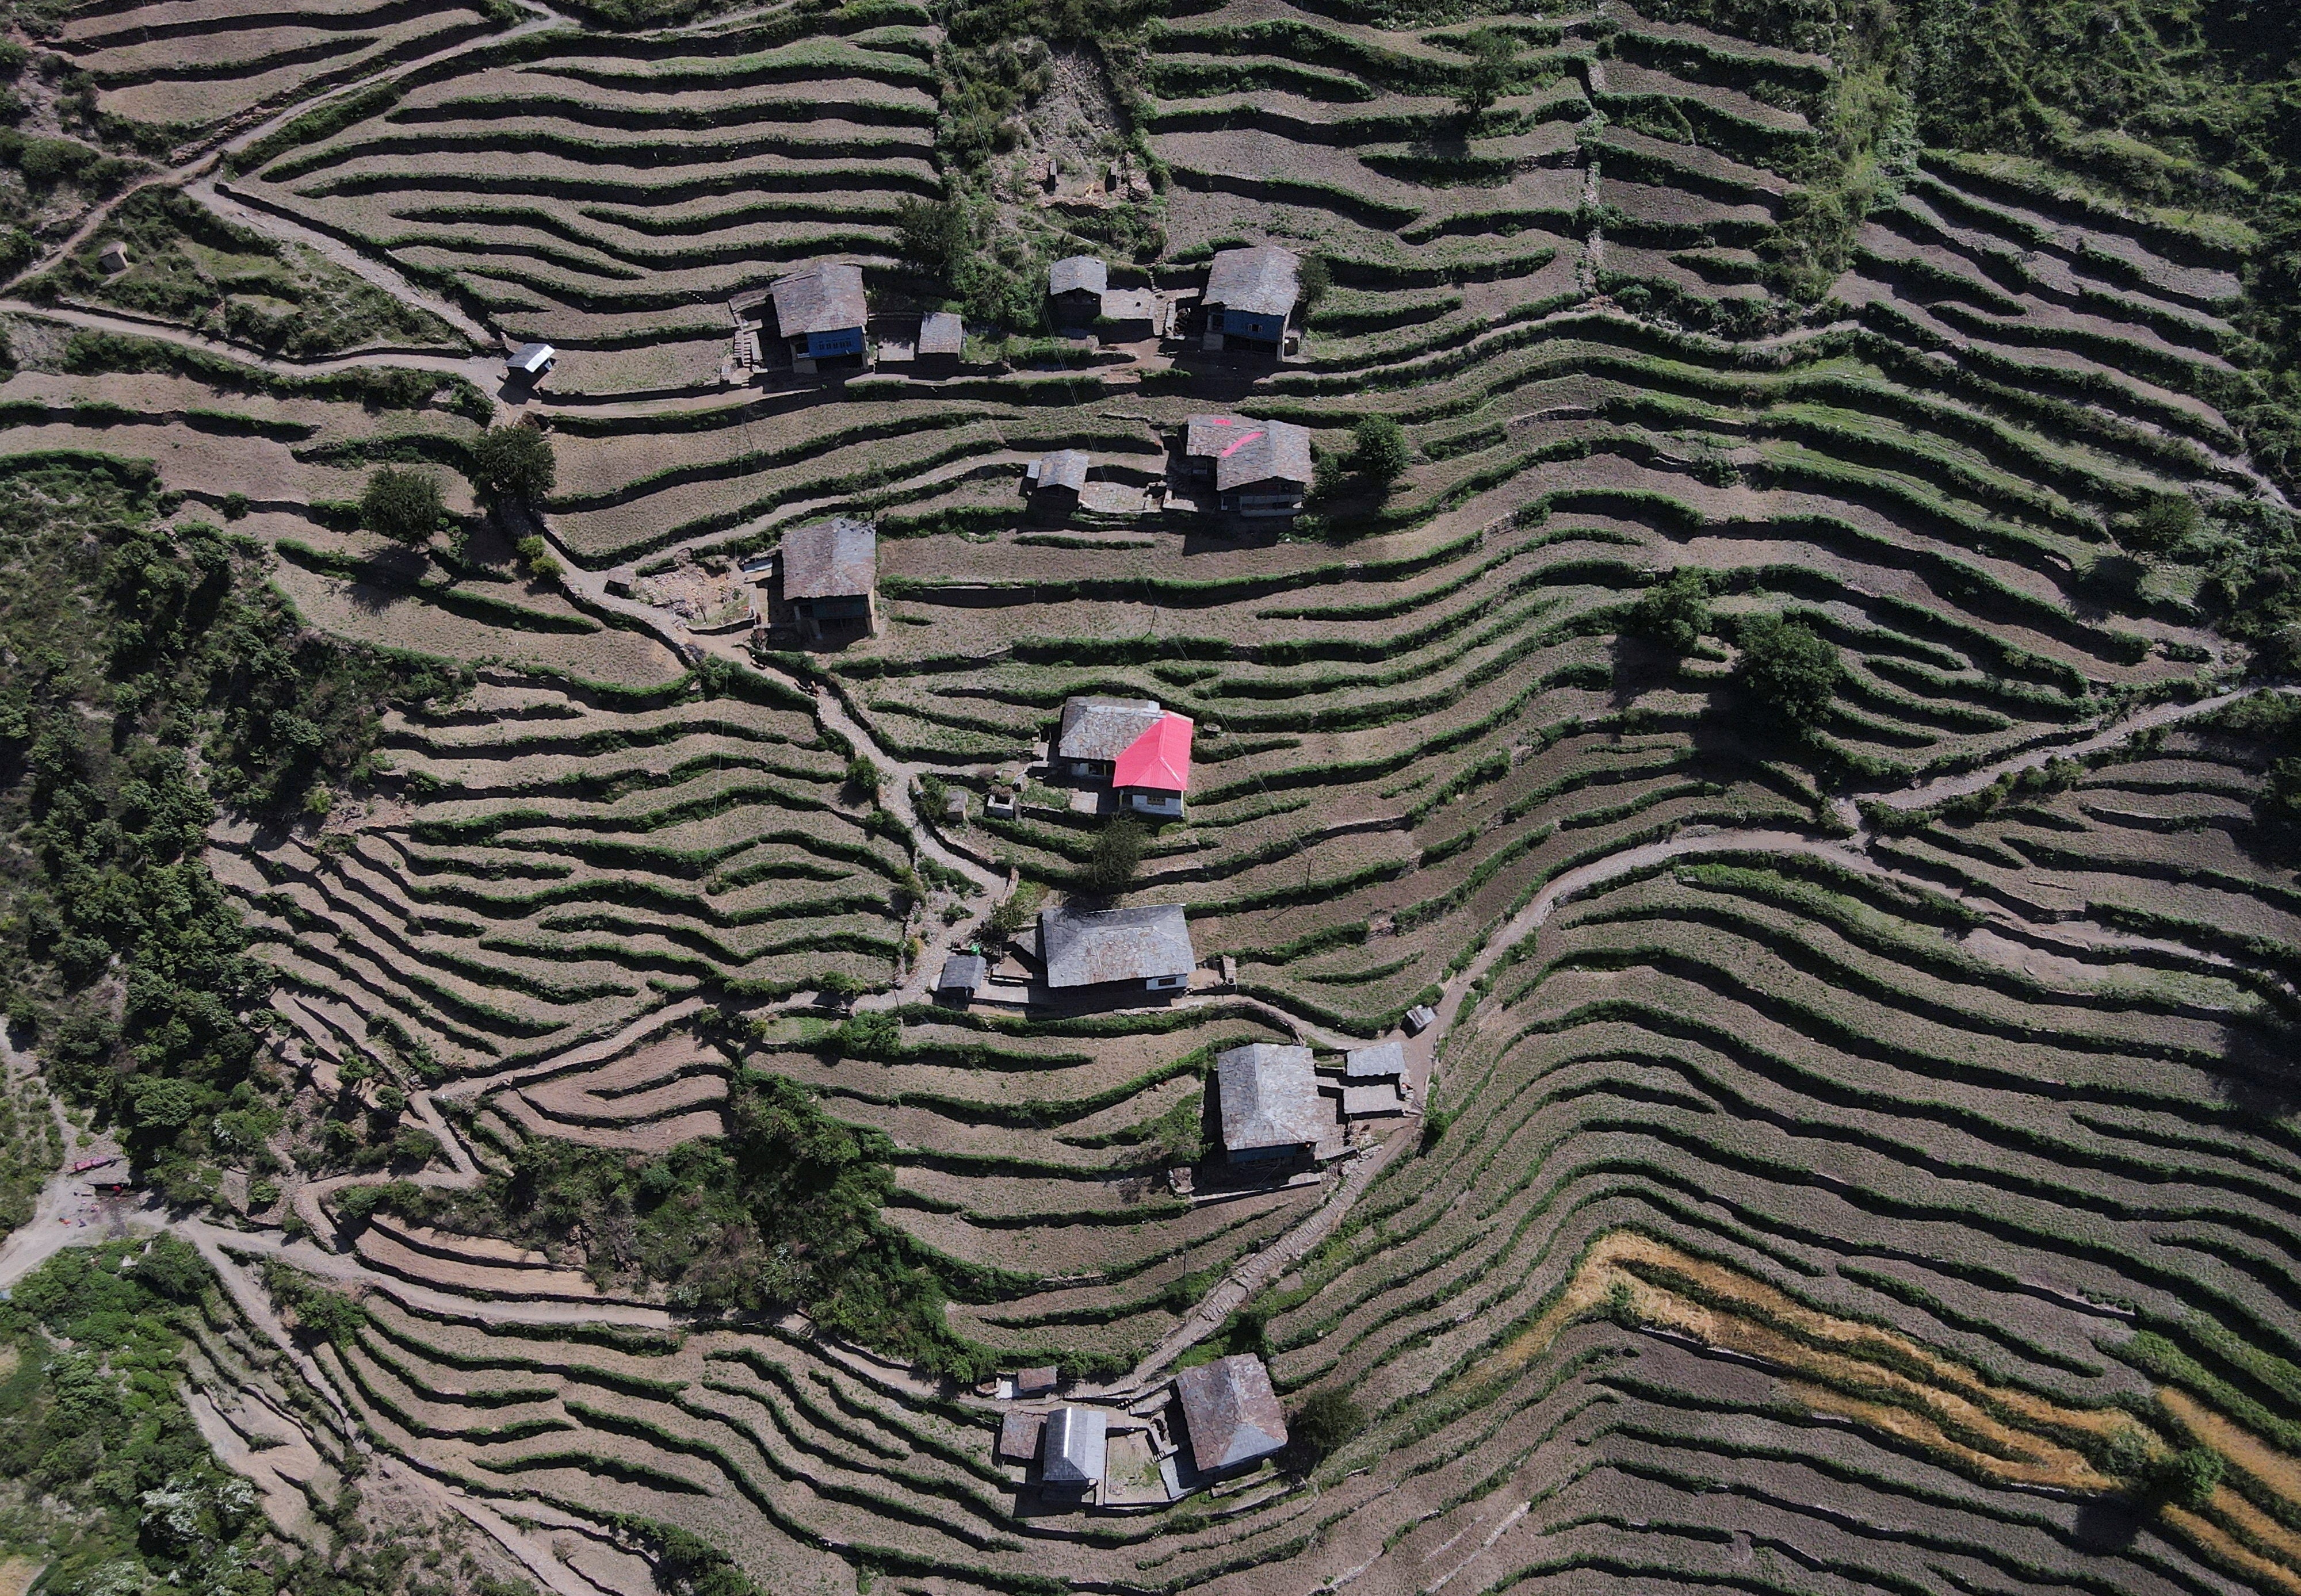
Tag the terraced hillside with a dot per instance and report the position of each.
(1853, 1147)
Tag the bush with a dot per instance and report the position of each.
(932, 234)
(2187, 1478)
(1378, 450)
(513, 465)
(1791, 674)
(1675, 611)
(1117, 856)
(1014, 911)
(2160, 525)
(864, 776)
(1311, 286)
(402, 505)
(1326, 1422)
(235, 506)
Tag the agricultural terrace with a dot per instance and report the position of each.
(1856, 1146)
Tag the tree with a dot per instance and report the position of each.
(1493, 64)
(1675, 611)
(513, 465)
(2187, 1478)
(2161, 523)
(1791, 672)
(864, 776)
(1378, 450)
(403, 505)
(933, 234)
(1310, 285)
(1326, 1422)
(1118, 855)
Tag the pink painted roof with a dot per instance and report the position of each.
(1160, 758)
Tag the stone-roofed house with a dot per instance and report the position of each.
(1132, 314)
(1073, 1447)
(1250, 295)
(1018, 1436)
(1074, 289)
(942, 339)
(1384, 1061)
(1230, 1413)
(1148, 947)
(820, 312)
(1269, 1101)
(963, 975)
(830, 574)
(531, 361)
(1054, 482)
(1257, 469)
(1153, 771)
(1096, 731)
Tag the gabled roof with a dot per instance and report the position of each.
(962, 972)
(1096, 728)
(941, 332)
(1278, 449)
(1269, 1097)
(1088, 947)
(1159, 759)
(532, 358)
(1264, 280)
(824, 297)
(1078, 273)
(837, 558)
(1076, 1446)
(1065, 468)
(1209, 435)
(1370, 1063)
(1231, 1412)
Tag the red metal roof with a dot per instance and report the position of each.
(1160, 758)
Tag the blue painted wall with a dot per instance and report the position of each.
(1239, 324)
(844, 340)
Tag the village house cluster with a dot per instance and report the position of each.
(1211, 1423)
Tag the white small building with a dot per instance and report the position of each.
(531, 361)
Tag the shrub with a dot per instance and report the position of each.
(864, 776)
(402, 505)
(2187, 1478)
(1014, 911)
(513, 465)
(235, 506)
(1311, 286)
(1118, 855)
(2162, 521)
(1675, 611)
(1791, 674)
(1378, 450)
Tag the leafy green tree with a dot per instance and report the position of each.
(2187, 1478)
(864, 776)
(402, 505)
(1311, 284)
(1378, 450)
(2161, 524)
(1117, 856)
(1675, 611)
(933, 234)
(513, 465)
(1791, 672)
(1494, 67)
(1327, 1421)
